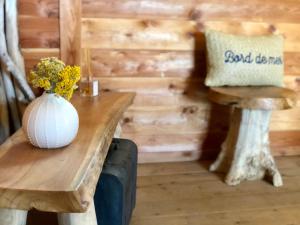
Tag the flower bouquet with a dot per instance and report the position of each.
(51, 121)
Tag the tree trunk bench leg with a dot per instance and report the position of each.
(118, 131)
(245, 152)
(87, 218)
(13, 217)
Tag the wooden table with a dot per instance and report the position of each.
(61, 180)
(245, 153)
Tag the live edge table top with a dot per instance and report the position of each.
(61, 180)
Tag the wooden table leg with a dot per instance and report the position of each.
(118, 131)
(13, 217)
(87, 218)
(246, 152)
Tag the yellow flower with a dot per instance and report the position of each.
(69, 76)
(52, 75)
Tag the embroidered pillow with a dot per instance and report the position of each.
(244, 60)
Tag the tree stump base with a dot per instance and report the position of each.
(246, 151)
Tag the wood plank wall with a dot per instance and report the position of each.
(39, 30)
(156, 48)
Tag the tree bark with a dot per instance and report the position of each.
(4, 117)
(13, 49)
(8, 62)
(87, 218)
(245, 152)
(13, 217)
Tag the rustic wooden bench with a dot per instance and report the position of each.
(60, 180)
(245, 153)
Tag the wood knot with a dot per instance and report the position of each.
(128, 35)
(149, 23)
(127, 120)
(186, 154)
(189, 110)
(195, 14)
(272, 28)
(51, 14)
(172, 86)
(52, 44)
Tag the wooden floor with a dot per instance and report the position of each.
(187, 194)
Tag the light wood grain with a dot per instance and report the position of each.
(144, 63)
(151, 34)
(138, 34)
(287, 120)
(179, 169)
(160, 63)
(150, 157)
(70, 27)
(272, 216)
(158, 187)
(168, 86)
(168, 90)
(267, 98)
(185, 193)
(270, 10)
(61, 180)
(160, 147)
(290, 63)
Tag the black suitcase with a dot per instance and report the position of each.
(115, 194)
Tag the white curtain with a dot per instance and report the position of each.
(15, 93)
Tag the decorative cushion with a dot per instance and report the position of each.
(244, 60)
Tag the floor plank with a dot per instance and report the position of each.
(272, 216)
(187, 194)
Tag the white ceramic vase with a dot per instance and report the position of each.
(50, 121)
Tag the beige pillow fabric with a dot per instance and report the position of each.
(244, 60)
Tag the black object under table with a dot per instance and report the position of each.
(115, 194)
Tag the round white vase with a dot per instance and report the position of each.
(50, 121)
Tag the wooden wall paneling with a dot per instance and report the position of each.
(160, 100)
(173, 34)
(157, 134)
(160, 63)
(291, 63)
(33, 55)
(285, 142)
(39, 32)
(107, 33)
(164, 86)
(39, 8)
(270, 10)
(149, 157)
(167, 114)
(70, 31)
(287, 120)
(139, 63)
(149, 47)
(198, 115)
(168, 91)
